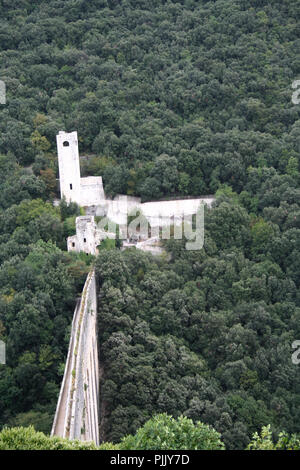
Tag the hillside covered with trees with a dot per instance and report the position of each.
(207, 84)
(169, 98)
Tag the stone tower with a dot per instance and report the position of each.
(69, 167)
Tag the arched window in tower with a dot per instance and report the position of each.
(66, 143)
(71, 186)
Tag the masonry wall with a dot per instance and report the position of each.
(69, 168)
(158, 213)
(86, 234)
(91, 191)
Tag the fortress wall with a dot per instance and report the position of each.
(91, 191)
(158, 213)
(161, 212)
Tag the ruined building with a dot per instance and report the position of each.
(89, 193)
(88, 236)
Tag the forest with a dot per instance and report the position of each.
(169, 98)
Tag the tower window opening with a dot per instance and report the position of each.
(84, 240)
(66, 143)
(73, 244)
(71, 186)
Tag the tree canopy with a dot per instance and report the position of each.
(170, 98)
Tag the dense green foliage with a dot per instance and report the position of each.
(207, 335)
(166, 433)
(29, 439)
(169, 97)
(265, 441)
(162, 432)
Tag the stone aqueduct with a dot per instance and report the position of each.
(77, 411)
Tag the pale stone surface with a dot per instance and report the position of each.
(69, 169)
(84, 191)
(151, 245)
(91, 191)
(158, 213)
(88, 236)
(119, 208)
(161, 213)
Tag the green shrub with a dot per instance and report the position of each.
(29, 439)
(163, 432)
(109, 446)
(264, 441)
